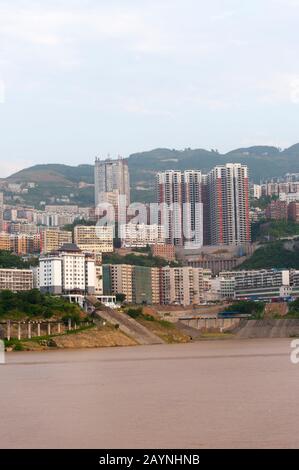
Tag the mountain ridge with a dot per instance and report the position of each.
(263, 162)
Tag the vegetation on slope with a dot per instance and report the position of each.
(293, 309)
(136, 260)
(249, 307)
(162, 328)
(274, 229)
(278, 254)
(32, 304)
(11, 261)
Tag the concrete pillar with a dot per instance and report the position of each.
(19, 330)
(59, 328)
(8, 330)
(38, 329)
(69, 324)
(29, 330)
(49, 329)
(75, 326)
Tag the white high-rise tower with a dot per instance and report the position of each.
(112, 179)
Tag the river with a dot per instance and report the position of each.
(214, 394)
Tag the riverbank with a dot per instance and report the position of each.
(100, 335)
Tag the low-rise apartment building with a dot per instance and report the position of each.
(141, 235)
(262, 284)
(161, 250)
(167, 285)
(16, 279)
(52, 239)
(94, 238)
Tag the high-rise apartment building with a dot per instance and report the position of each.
(228, 205)
(180, 207)
(111, 178)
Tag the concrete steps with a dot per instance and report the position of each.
(129, 326)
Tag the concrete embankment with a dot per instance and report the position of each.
(267, 328)
(129, 326)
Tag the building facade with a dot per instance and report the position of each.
(228, 201)
(141, 235)
(179, 198)
(94, 239)
(16, 279)
(111, 177)
(68, 271)
(277, 210)
(52, 239)
(180, 286)
(261, 284)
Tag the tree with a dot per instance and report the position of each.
(120, 297)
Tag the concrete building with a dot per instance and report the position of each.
(98, 279)
(23, 227)
(141, 235)
(228, 200)
(62, 209)
(67, 271)
(111, 176)
(256, 191)
(139, 284)
(52, 239)
(94, 239)
(277, 210)
(289, 197)
(215, 263)
(164, 251)
(20, 244)
(5, 243)
(293, 212)
(118, 279)
(262, 284)
(16, 279)
(23, 244)
(182, 286)
(179, 196)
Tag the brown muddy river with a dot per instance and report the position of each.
(217, 394)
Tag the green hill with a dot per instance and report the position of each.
(263, 162)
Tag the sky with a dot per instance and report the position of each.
(81, 78)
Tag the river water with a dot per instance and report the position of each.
(216, 394)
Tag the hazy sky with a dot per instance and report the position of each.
(80, 78)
